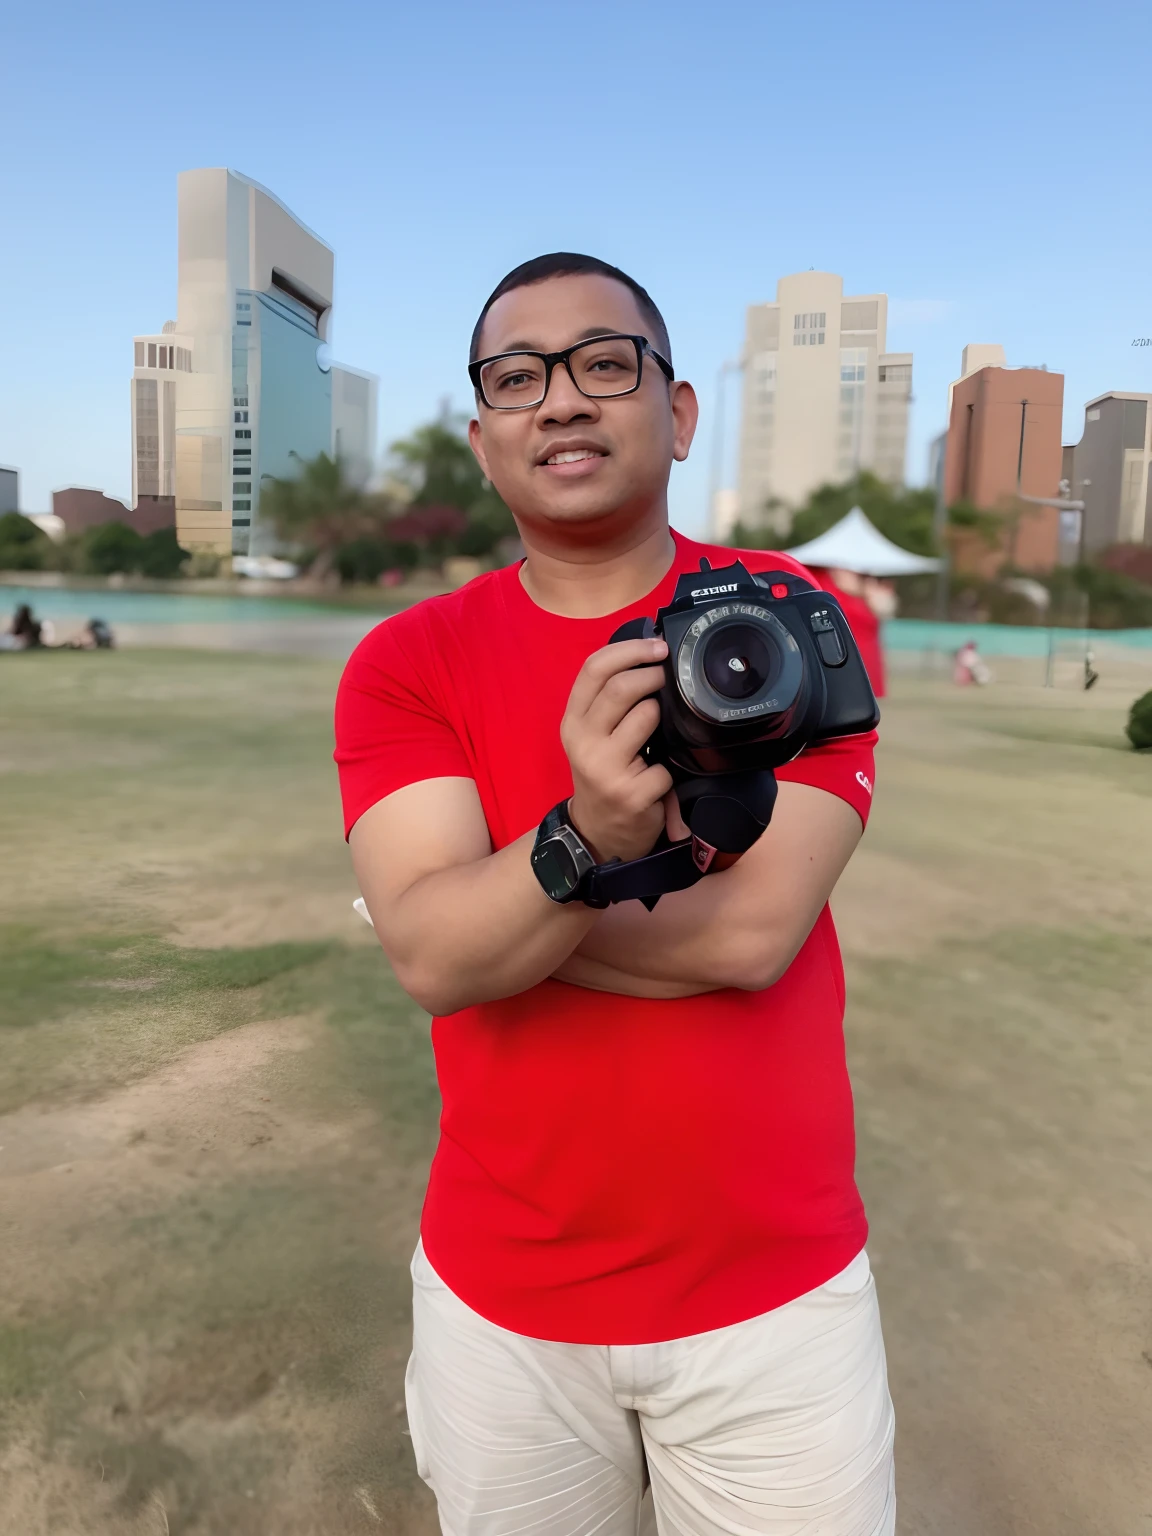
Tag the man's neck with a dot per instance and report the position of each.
(588, 579)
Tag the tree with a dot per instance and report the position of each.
(439, 468)
(161, 557)
(111, 548)
(23, 546)
(319, 507)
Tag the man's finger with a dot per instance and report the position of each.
(606, 663)
(619, 696)
(633, 731)
(674, 823)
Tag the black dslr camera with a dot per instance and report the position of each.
(758, 668)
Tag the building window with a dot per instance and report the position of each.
(151, 354)
(243, 306)
(808, 329)
(243, 322)
(139, 353)
(239, 399)
(244, 434)
(241, 522)
(896, 373)
(240, 416)
(147, 438)
(242, 488)
(1092, 415)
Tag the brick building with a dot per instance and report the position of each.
(1004, 444)
(78, 508)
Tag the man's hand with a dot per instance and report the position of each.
(741, 927)
(617, 801)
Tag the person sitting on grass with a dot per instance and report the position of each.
(24, 632)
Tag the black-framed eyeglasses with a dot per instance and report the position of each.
(602, 368)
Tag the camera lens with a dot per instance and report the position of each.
(740, 659)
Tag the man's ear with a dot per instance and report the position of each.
(685, 415)
(476, 443)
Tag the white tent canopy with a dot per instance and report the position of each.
(853, 544)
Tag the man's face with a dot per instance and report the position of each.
(625, 446)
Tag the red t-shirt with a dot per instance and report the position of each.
(611, 1170)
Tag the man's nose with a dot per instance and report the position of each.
(564, 402)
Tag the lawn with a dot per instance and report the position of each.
(217, 1109)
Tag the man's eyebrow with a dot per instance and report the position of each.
(585, 335)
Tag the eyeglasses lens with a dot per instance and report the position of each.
(605, 367)
(601, 368)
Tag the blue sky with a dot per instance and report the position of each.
(984, 165)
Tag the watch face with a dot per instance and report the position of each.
(555, 868)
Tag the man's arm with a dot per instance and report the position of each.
(464, 925)
(739, 928)
(459, 923)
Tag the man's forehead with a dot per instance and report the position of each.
(553, 314)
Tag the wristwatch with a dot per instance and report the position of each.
(560, 861)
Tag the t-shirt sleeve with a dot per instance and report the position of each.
(390, 729)
(845, 766)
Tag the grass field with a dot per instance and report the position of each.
(216, 1111)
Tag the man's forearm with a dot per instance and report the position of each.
(694, 941)
(743, 926)
(477, 931)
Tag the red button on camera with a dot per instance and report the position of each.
(778, 589)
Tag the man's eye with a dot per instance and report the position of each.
(514, 381)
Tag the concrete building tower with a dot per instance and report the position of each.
(239, 387)
(157, 360)
(823, 399)
(1112, 470)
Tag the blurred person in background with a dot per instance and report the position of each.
(641, 1259)
(24, 633)
(867, 602)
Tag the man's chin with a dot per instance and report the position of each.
(571, 511)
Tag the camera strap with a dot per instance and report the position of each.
(674, 867)
(725, 812)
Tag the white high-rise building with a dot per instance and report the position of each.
(823, 399)
(354, 422)
(157, 359)
(239, 387)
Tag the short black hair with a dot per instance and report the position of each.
(570, 264)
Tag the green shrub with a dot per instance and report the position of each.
(23, 546)
(111, 548)
(160, 555)
(1139, 725)
(366, 559)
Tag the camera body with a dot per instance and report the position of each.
(758, 668)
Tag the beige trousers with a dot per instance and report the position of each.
(781, 1424)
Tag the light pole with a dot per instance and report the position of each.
(715, 478)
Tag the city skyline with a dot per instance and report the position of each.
(944, 191)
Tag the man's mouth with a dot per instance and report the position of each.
(574, 455)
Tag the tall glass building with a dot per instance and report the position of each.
(240, 387)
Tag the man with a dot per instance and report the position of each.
(641, 1251)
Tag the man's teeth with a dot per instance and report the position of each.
(574, 456)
